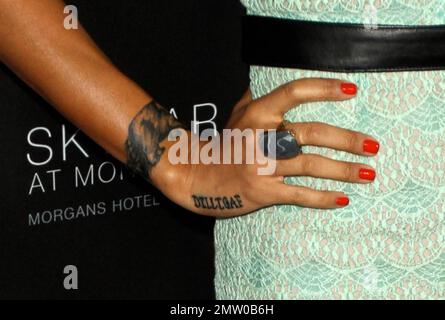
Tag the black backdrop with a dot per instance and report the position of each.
(184, 53)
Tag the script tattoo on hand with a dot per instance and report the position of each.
(147, 130)
(215, 203)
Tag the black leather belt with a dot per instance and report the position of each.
(342, 47)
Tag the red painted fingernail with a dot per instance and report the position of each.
(371, 146)
(342, 201)
(349, 88)
(367, 174)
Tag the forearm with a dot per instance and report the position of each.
(69, 71)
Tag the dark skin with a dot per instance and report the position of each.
(73, 74)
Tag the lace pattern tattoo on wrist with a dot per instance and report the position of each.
(147, 130)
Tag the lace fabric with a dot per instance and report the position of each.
(389, 242)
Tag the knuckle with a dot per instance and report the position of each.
(320, 199)
(348, 172)
(351, 139)
(311, 132)
(291, 89)
(298, 196)
(326, 199)
(329, 88)
(309, 165)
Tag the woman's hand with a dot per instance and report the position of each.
(77, 78)
(225, 190)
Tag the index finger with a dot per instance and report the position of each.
(305, 90)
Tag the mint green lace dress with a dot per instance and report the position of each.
(389, 242)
